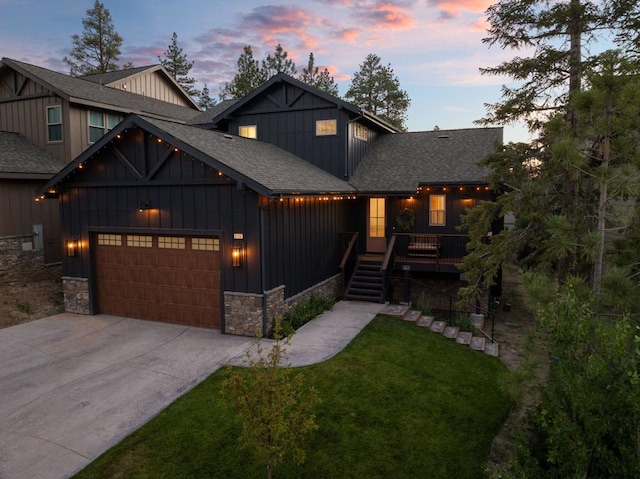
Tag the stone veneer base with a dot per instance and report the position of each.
(244, 312)
(76, 295)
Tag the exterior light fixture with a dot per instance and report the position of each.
(144, 206)
(72, 247)
(237, 252)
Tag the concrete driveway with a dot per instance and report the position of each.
(72, 386)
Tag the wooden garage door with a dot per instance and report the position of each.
(174, 279)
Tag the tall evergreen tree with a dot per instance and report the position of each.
(549, 182)
(376, 89)
(249, 77)
(204, 100)
(178, 66)
(311, 75)
(279, 62)
(555, 33)
(98, 48)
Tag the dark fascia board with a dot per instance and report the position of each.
(453, 183)
(12, 65)
(136, 121)
(282, 77)
(25, 176)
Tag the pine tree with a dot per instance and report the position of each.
(311, 75)
(279, 62)
(249, 77)
(376, 89)
(556, 34)
(98, 49)
(204, 100)
(178, 66)
(549, 183)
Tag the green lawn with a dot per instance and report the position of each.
(398, 402)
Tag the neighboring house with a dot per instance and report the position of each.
(229, 225)
(61, 116)
(29, 230)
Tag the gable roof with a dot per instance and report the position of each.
(113, 77)
(282, 77)
(118, 75)
(85, 92)
(204, 118)
(400, 163)
(19, 158)
(263, 167)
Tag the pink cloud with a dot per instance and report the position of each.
(455, 7)
(386, 14)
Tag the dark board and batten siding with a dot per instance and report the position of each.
(184, 197)
(290, 123)
(302, 244)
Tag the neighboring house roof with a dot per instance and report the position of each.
(282, 77)
(204, 118)
(95, 95)
(19, 158)
(116, 76)
(263, 167)
(400, 163)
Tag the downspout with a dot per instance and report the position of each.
(263, 280)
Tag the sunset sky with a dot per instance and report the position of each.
(434, 46)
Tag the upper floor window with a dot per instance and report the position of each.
(360, 131)
(437, 210)
(326, 127)
(54, 123)
(100, 123)
(248, 131)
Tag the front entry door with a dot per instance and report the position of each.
(376, 220)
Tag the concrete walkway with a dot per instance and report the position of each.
(72, 386)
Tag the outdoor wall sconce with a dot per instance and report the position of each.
(72, 247)
(237, 253)
(145, 206)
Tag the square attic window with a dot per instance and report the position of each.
(326, 127)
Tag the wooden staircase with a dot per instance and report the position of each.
(464, 338)
(366, 283)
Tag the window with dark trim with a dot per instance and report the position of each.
(54, 123)
(360, 131)
(326, 127)
(100, 123)
(248, 131)
(437, 210)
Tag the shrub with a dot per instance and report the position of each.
(304, 312)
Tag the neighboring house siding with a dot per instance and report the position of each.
(20, 212)
(302, 241)
(154, 85)
(28, 116)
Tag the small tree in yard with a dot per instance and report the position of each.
(272, 403)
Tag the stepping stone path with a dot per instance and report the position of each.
(464, 338)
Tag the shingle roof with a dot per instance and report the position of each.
(205, 117)
(79, 90)
(282, 77)
(401, 162)
(110, 77)
(18, 155)
(269, 166)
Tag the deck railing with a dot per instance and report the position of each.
(430, 248)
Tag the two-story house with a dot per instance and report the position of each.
(46, 120)
(227, 221)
